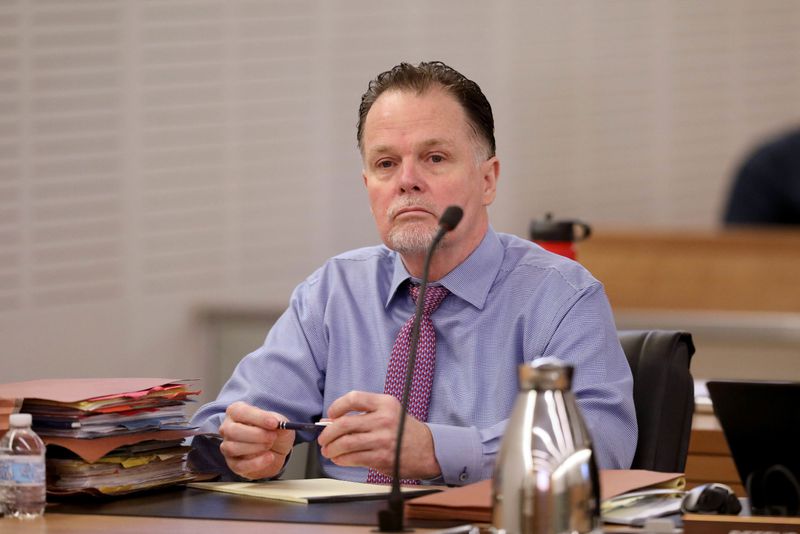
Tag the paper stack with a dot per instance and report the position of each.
(474, 501)
(108, 436)
(311, 490)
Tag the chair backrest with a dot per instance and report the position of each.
(663, 393)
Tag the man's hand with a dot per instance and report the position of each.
(368, 439)
(252, 445)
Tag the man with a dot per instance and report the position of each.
(426, 136)
(766, 189)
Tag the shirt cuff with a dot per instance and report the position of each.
(458, 451)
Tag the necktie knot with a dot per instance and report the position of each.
(434, 295)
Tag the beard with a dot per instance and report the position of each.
(411, 237)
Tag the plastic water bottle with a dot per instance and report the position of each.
(22, 471)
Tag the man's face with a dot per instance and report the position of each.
(420, 156)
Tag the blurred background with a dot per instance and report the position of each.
(166, 163)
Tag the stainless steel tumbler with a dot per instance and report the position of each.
(545, 477)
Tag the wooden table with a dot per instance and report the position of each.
(709, 457)
(744, 269)
(90, 524)
(195, 511)
(87, 524)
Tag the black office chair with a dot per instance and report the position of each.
(663, 393)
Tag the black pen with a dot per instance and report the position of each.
(291, 425)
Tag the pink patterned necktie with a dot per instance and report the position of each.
(420, 394)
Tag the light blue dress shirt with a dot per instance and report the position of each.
(511, 302)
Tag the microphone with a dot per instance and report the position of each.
(391, 520)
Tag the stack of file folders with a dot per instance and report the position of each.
(109, 436)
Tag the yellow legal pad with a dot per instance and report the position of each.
(310, 490)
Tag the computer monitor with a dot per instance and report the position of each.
(761, 422)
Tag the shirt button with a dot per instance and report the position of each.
(463, 477)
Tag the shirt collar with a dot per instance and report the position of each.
(471, 280)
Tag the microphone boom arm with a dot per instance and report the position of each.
(391, 520)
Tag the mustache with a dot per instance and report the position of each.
(410, 202)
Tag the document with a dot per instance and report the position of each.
(634, 496)
(310, 490)
(91, 450)
(107, 436)
(636, 507)
(474, 501)
(68, 390)
(128, 469)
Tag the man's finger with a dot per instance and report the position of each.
(233, 431)
(250, 415)
(355, 401)
(349, 424)
(253, 467)
(349, 442)
(373, 459)
(236, 449)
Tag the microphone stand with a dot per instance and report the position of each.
(391, 520)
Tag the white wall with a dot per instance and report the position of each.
(156, 155)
